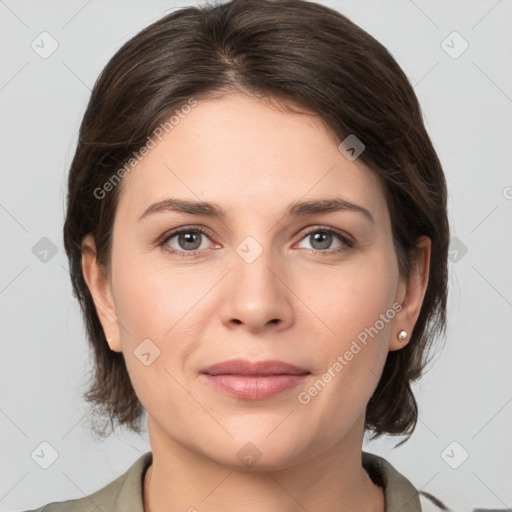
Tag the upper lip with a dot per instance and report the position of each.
(259, 368)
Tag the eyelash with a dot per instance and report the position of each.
(348, 243)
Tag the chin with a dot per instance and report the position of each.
(254, 453)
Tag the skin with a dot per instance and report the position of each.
(297, 302)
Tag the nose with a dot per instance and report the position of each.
(254, 293)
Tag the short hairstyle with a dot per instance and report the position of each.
(300, 53)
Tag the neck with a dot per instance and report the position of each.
(180, 479)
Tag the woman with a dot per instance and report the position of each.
(257, 235)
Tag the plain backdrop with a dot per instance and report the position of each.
(461, 450)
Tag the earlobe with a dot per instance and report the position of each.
(100, 289)
(411, 295)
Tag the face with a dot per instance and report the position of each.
(319, 290)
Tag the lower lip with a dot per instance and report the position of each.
(254, 388)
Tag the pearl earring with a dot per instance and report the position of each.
(402, 336)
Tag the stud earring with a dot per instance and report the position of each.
(402, 336)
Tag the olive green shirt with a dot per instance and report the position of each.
(124, 494)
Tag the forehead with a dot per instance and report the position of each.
(247, 155)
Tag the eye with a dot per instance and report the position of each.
(188, 241)
(322, 238)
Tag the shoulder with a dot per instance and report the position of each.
(122, 494)
(400, 493)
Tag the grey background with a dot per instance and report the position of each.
(467, 102)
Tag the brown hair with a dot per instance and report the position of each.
(293, 50)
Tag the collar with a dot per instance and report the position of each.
(400, 494)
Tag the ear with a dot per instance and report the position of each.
(101, 291)
(411, 292)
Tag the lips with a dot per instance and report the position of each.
(254, 369)
(254, 380)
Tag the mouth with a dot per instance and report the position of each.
(254, 380)
(254, 369)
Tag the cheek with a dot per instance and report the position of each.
(352, 296)
(152, 299)
(165, 305)
(356, 309)
(154, 308)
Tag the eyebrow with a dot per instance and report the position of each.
(295, 209)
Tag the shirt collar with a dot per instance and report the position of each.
(400, 494)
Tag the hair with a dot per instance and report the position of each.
(300, 53)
